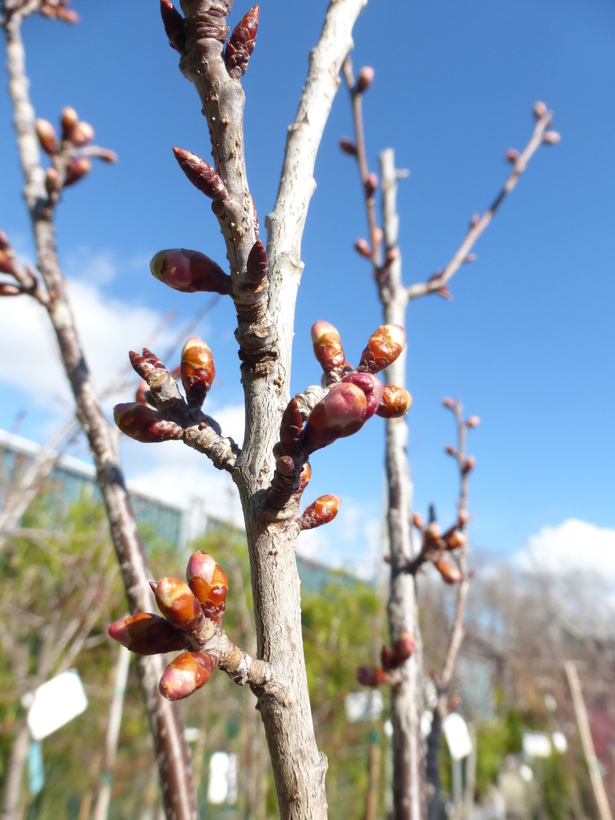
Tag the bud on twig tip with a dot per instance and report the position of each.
(365, 79)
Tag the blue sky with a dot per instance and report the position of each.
(527, 342)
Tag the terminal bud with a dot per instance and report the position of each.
(551, 137)
(327, 346)
(383, 348)
(323, 510)
(197, 370)
(173, 24)
(540, 109)
(241, 43)
(147, 634)
(365, 79)
(68, 121)
(142, 423)
(473, 421)
(363, 248)
(189, 272)
(187, 673)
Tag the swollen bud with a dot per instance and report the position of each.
(371, 386)
(470, 464)
(551, 138)
(69, 120)
(386, 658)
(143, 423)
(291, 427)
(240, 46)
(323, 510)
(173, 24)
(404, 647)
(512, 155)
(455, 540)
(363, 248)
(341, 413)
(540, 109)
(473, 421)
(147, 634)
(395, 403)
(53, 181)
(366, 78)
(81, 134)
(327, 346)
(383, 348)
(448, 402)
(208, 581)
(177, 603)
(372, 676)
(46, 134)
(189, 272)
(418, 522)
(187, 673)
(9, 290)
(450, 574)
(257, 265)
(304, 477)
(348, 146)
(371, 184)
(450, 450)
(76, 170)
(201, 174)
(197, 370)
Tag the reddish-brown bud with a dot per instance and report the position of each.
(327, 346)
(455, 540)
(451, 450)
(348, 146)
(291, 427)
(473, 421)
(53, 181)
(403, 648)
(209, 583)
(147, 634)
(470, 464)
(67, 15)
(323, 510)
(304, 477)
(386, 658)
(189, 272)
(240, 46)
(512, 155)
(366, 78)
(76, 170)
(141, 391)
(372, 676)
(540, 109)
(551, 138)
(448, 402)
(197, 370)
(449, 573)
(363, 248)
(148, 365)
(341, 413)
(383, 348)
(257, 266)
(9, 290)
(201, 174)
(418, 522)
(46, 134)
(395, 402)
(81, 134)
(187, 673)
(177, 602)
(371, 386)
(69, 120)
(143, 423)
(371, 184)
(173, 24)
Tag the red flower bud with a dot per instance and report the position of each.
(201, 174)
(240, 46)
(147, 365)
(403, 648)
(69, 120)
(46, 134)
(383, 348)
(173, 24)
(76, 170)
(143, 423)
(363, 248)
(177, 602)
(371, 184)
(323, 510)
(540, 109)
(341, 413)
(449, 573)
(189, 272)
(473, 421)
(371, 386)
(9, 290)
(304, 477)
(147, 634)
(209, 583)
(470, 464)
(197, 370)
(551, 138)
(372, 676)
(348, 146)
(81, 134)
(291, 427)
(327, 346)
(257, 266)
(395, 402)
(366, 78)
(187, 673)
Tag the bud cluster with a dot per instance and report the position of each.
(390, 660)
(435, 544)
(186, 608)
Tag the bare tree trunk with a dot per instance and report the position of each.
(12, 808)
(371, 810)
(171, 749)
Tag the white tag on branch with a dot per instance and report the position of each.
(457, 736)
(55, 703)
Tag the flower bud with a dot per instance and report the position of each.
(46, 134)
(450, 450)
(327, 346)
(448, 402)
(366, 78)
(201, 174)
(147, 365)
(403, 648)
(371, 386)
(173, 24)
(187, 673)
(473, 421)
(450, 574)
(418, 522)
(540, 109)
(304, 477)
(143, 423)
(7, 289)
(455, 540)
(67, 15)
(241, 43)
(551, 138)
(512, 155)
(341, 413)
(53, 181)
(348, 146)
(395, 402)
(147, 634)
(69, 120)
(463, 517)
(363, 248)
(257, 266)
(76, 170)
(323, 510)
(431, 536)
(383, 348)
(189, 271)
(197, 370)
(81, 134)
(372, 676)
(141, 391)
(177, 603)
(106, 155)
(291, 427)
(371, 184)
(209, 583)
(386, 658)
(470, 464)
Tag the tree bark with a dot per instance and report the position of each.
(12, 808)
